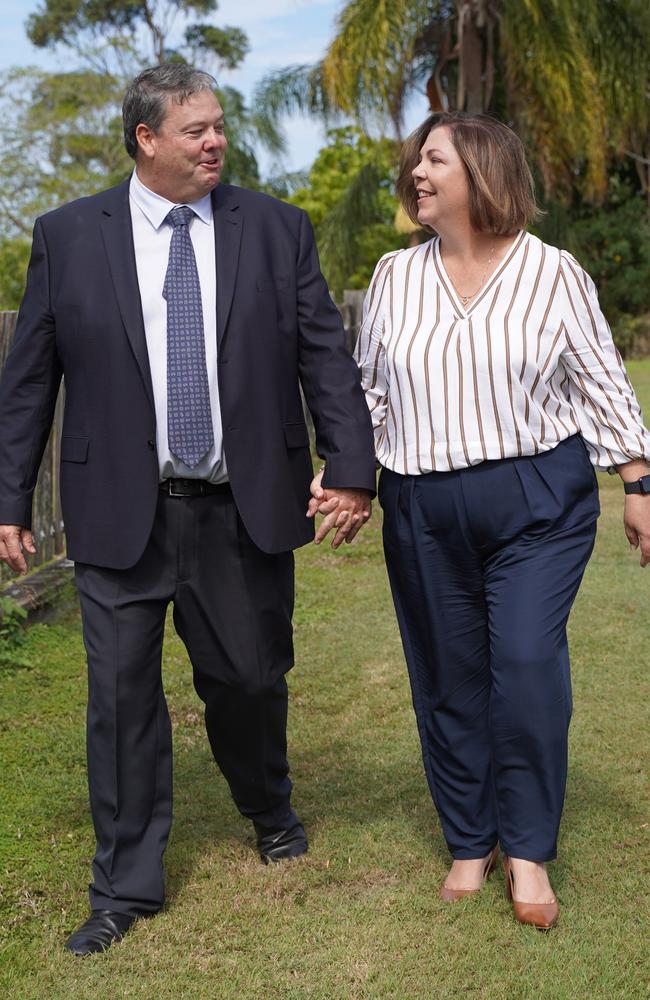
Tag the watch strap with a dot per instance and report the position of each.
(641, 485)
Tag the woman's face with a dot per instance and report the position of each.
(441, 182)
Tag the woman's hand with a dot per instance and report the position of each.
(344, 509)
(636, 518)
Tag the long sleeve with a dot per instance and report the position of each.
(330, 378)
(28, 391)
(603, 400)
(369, 352)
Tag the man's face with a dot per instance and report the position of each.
(183, 160)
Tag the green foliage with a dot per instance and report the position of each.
(351, 200)
(571, 75)
(230, 45)
(295, 88)
(14, 257)
(75, 116)
(248, 130)
(12, 634)
(99, 26)
(612, 243)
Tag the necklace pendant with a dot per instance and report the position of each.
(465, 299)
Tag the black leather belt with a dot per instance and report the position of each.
(192, 488)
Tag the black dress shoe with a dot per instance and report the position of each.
(102, 928)
(280, 844)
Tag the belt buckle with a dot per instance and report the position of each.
(170, 489)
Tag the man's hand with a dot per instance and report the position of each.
(346, 510)
(636, 518)
(15, 540)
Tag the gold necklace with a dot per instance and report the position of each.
(466, 298)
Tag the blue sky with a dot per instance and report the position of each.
(280, 32)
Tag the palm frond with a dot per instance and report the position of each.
(370, 66)
(294, 89)
(358, 206)
(553, 88)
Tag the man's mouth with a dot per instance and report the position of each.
(210, 164)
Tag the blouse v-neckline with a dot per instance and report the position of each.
(446, 282)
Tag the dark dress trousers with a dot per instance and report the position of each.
(484, 565)
(224, 560)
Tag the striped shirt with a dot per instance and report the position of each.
(528, 363)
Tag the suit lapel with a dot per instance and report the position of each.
(227, 235)
(117, 233)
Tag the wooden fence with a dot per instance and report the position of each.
(47, 522)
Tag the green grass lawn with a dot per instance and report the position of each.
(359, 916)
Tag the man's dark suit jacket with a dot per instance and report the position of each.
(276, 325)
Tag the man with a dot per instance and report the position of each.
(183, 315)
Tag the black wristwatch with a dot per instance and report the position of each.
(642, 485)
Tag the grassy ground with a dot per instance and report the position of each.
(359, 917)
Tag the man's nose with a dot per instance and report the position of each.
(214, 139)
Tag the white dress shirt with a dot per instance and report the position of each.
(151, 238)
(529, 362)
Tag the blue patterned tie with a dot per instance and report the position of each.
(189, 417)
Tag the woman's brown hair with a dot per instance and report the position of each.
(501, 190)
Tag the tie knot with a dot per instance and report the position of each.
(179, 216)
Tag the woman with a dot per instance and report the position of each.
(494, 388)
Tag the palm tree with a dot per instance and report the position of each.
(571, 75)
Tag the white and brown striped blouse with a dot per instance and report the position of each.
(528, 363)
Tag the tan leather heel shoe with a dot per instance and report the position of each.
(543, 916)
(453, 895)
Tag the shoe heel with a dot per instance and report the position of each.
(508, 875)
(492, 863)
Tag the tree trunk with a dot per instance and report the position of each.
(470, 83)
(476, 24)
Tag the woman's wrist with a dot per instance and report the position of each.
(631, 471)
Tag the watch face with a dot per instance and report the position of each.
(644, 483)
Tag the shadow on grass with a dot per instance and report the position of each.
(358, 805)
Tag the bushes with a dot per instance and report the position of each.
(612, 243)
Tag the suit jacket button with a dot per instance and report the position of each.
(150, 445)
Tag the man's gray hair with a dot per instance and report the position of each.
(146, 98)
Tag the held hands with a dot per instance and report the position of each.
(345, 510)
(14, 541)
(636, 518)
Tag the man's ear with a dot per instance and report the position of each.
(146, 140)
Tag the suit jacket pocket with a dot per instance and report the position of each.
(296, 435)
(276, 282)
(74, 449)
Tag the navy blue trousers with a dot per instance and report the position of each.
(484, 565)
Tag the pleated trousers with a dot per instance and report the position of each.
(232, 609)
(484, 564)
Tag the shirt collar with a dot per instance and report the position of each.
(155, 208)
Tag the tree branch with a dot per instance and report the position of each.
(639, 159)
